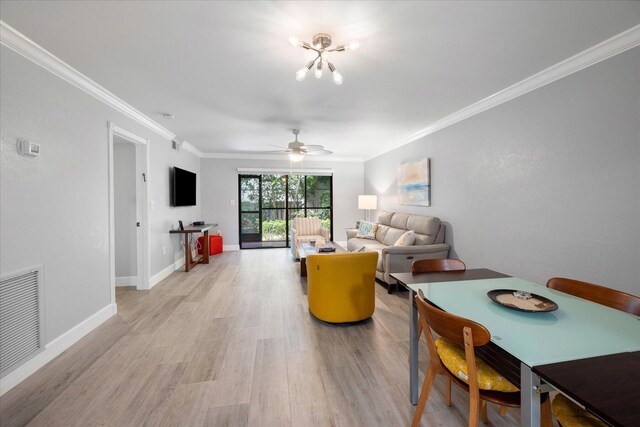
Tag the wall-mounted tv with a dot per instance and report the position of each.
(184, 188)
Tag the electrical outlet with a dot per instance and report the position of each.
(233, 202)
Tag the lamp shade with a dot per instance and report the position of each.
(368, 202)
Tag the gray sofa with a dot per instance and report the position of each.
(429, 243)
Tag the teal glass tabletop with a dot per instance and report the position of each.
(576, 330)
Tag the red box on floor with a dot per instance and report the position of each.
(215, 245)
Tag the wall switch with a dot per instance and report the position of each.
(233, 202)
(164, 250)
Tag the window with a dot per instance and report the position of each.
(268, 203)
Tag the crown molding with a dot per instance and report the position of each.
(613, 46)
(193, 150)
(26, 47)
(258, 156)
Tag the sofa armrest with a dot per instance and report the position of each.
(326, 233)
(398, 259)
(351, 233)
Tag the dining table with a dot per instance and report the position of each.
(523, 341)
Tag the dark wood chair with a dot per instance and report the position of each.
(468, 334)
(435, 265)
(599, 294)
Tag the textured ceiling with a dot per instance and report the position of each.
(226, 71)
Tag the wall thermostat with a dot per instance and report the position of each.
(28, 148)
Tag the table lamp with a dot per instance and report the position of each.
(367, 202)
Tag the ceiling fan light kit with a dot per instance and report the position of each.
(297, 150)
(321, 44)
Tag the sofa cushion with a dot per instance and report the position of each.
(399, 220)
(425, 225)
(370, 245)
(381, 232)
(367, 230)
(392, 236)
(308, 238)
(304, 226)
(406, 239)
(384, 217)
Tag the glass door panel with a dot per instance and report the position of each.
(250, 227)
(249, 210)
(274, 227)
(318, 194)
(296, 191)
(269, 202)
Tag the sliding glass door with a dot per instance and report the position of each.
(250, 224)
(269, 202)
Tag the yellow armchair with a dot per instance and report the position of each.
(341, 287)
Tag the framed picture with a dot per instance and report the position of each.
(414, 183)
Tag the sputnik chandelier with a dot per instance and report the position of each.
(321, 44)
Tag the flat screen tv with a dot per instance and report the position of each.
(184, 188)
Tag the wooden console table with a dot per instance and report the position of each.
(189, 263)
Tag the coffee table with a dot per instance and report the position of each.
(305, 249)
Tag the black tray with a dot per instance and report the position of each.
(543, 305)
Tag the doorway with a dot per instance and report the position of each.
(128, 219)
(269, 202)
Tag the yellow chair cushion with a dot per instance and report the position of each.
(571, 415)
(453, 357)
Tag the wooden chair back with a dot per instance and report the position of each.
(450, 326)
(598, 294)
(435, 265)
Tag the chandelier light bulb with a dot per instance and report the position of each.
(337, 78)
(294, 41)
(295, 157)
(301, 74)
(353, 45)
(318, 72)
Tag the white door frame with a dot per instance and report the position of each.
(142, 159)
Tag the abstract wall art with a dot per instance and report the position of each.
(414, 183)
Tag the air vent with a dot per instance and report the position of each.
(21, 318)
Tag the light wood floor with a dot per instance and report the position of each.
(233, 344)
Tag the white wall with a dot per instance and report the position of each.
(125, 214)
(544, 185)
(220, 187)
(54, 209)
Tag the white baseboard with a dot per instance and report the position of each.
(231, 247)
(127, 281)
(55, 347)
(163, 274)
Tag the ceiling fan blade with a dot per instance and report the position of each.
(275, 152)
(282, 147)
(312, 147)
(319, 153)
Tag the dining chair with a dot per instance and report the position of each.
(566, 412)
(599, 294)
(434, 266)
(454, 352)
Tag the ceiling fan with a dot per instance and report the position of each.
(297, 150)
